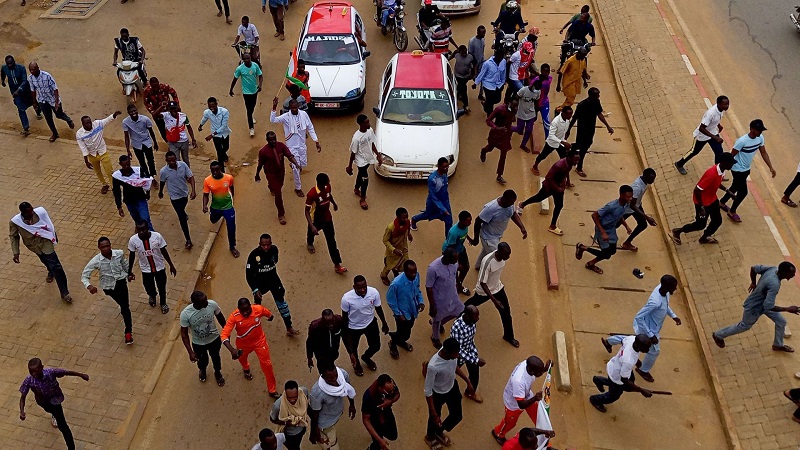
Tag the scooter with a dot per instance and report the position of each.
(795, 18)
(132, 84)
(394, 25)
(433, 39)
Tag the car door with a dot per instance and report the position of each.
(385, 85)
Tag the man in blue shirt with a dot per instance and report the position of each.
(437, 205)
(405, 300)
(649, 321)
(761, 301)
(492, 78)
(580, 29)
(220, 131)
(18, 85)
(744, 150)
(606, 220)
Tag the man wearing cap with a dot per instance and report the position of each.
(177, 125)
(744, 150)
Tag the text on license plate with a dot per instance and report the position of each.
(414, 175)
(326, 105)
(452, 6)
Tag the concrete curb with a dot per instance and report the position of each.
(551, 267)
(562, 362)
(708, 360)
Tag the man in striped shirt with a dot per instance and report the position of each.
(48, 100)
(112, 268)
(152, 250)
(463, 331)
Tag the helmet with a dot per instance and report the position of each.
(512, 5)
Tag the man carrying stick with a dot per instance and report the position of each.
(620, 373)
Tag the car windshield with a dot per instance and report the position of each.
(418, 107)
(329, 49)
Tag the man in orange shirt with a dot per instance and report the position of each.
(246, 319)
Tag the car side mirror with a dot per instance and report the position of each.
(460, 113)
(377, 111)
(365, 54)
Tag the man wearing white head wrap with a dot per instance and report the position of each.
(327, 405)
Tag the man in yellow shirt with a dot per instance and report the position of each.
(571, 77)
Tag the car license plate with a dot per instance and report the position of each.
(451, 6)
(414, 175)
(326, 105)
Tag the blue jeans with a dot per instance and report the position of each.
(433, 214)
(515, 85)
(55, 270)
(545, 112)
(139, 211)
(749, 319)
(385, 14)
(649, 359)
(230, 223)
(22, 108)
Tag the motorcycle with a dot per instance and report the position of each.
(243, 47)
(132, 84)
(394, 25)
(434, 39)
(569, 48)
(509, 43)
(796, 17)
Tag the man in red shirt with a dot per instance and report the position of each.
(270, 157)
(555, 183)
(319, 218)
(501, 122)
(706, 203)
(526, 439)
(246, 320)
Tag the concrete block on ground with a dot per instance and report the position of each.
(563, 381)
(544, 206)
(551, 267)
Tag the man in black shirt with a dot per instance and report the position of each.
(586, 114)
(324, 339)
(262, 277)
(376, 412)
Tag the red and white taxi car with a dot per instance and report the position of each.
(417, 116)
(331, 44)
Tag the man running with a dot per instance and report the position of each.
(250, 337)
(440, 286)
(526, 113)
(48, 100)
(296, 125)
(586, 114)
(761, 301)
(456, 237)
(544, 98)
(94, 150)
(620, 373)
(364, 153)
(261, 272)
(319, 218)
(404, 298)
(492, 78)
(556, 138)
(639, 187)
(199, 317)
(152, 250)
(175, 175)
(220, 131)
(396, 239)
(35, 228)
(493, 221)
(554, 185)
(706, 204)
(518, 397)
(648, 321)
(112, 268)
(139, 134)
(708, 132)
(571, 76)
(744, 150)
(130, 187)
(606, 220)
(437, 204)
(219, 187)
(501, 127)
(490, 287)
(270, 158)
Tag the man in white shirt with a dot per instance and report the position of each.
(296, 124)
(112, 268)
(708, 132)
(358, 308)
(490, 287)
(249, 34)
(177, 125)
(270, 440)
(518, 397)
(152, 250)
(93, 147)
(556, 139)
(139, 134)
(364, 152)
(620, 373)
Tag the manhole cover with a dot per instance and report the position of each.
(74, 8)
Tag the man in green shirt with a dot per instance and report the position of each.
(252, 77)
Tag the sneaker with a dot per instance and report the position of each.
(128, 338)
(164, 309)
(340, 269)
(53, 421)
(681, 169)
(254, 120)
(67, 298)
(252, 132)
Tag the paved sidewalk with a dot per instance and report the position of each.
(665, 105)
(86, 335)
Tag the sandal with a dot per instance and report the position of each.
(675, 238)
(393, 351)
(359, 371)
(464, 291)
(220, 379)
(557, 231)
(444, 440)
(787, 395)
(104, 189)
(630, 247)
(247, 375)
(433, 444)
(311, 249)
(164, 308)
(370, 364)
(579, 251)
(789, 202)
(535, 171)
(386, 281)
(299, 193)
(708, 240)
(282, 220)
(735, 217)
(594, 268)
(202, 376)
(151, 301)
(188, 245)
(363, 204)
(784, 348)
(406, 346)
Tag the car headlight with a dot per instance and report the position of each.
(387, 160)
(353, 93)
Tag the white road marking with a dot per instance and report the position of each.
(777, 236)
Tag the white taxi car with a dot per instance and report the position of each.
(457, 7)
(417, 116)
(330, 44)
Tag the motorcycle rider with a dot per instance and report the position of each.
(132, 50)
(508, 21)
(584, 10)
(426, 16)
(248, 32)
(580, 28)
(384, 7)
